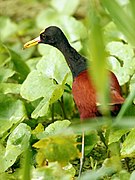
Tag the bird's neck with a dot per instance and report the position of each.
(75, 61)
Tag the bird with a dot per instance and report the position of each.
(83, 89)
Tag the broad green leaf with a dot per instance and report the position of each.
(54, 172)
(19, 65)
(12, 88)
(5, 73)
(54, 145)
(39, 128)
(64, 6)
(112, 33)
(52, 63)
(42, 108)
(7, 28)
(17, 143)
(128, 147)
(122, 60)
(12, 111)
(54, 129)
(58, 148)
(91, 139)
(36, 85)
(115, 135)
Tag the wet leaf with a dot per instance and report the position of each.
(5, 73)
(122, 60)
(128, 147)
(115, 135)
(12, 111)
(18, 142)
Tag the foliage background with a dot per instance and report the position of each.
(39, 123)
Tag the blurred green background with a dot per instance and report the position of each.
(39, 122)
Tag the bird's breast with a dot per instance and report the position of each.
(84, 95)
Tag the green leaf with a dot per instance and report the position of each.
(52, 63)
(12, 111)
(6, 24)
(65, 7)
(19, 65)
(41, 109)
(7, 88)
(122, 60)
(31, 63)
(5, 73)
(39, 128)
(58, 148)
(17, 142)
(112, 33)
(91, 139)
(54, 145)
(54, 172)
(36, 85)
(54, 129)
(128, 147)
(115, 135)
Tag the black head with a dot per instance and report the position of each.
(53, 36)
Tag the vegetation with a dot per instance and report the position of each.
(40, 129)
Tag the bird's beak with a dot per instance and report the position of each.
(32, 43)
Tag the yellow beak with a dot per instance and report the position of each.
(32, 43)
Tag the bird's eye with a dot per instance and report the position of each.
(42, 36)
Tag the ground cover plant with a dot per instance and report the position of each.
(40, 129)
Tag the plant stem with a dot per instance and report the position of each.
(62, 107)
(26, 165)
(52, 112)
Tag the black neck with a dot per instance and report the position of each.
(75, 61)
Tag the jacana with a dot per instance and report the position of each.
(83, 89)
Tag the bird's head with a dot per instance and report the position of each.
(51, 35)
